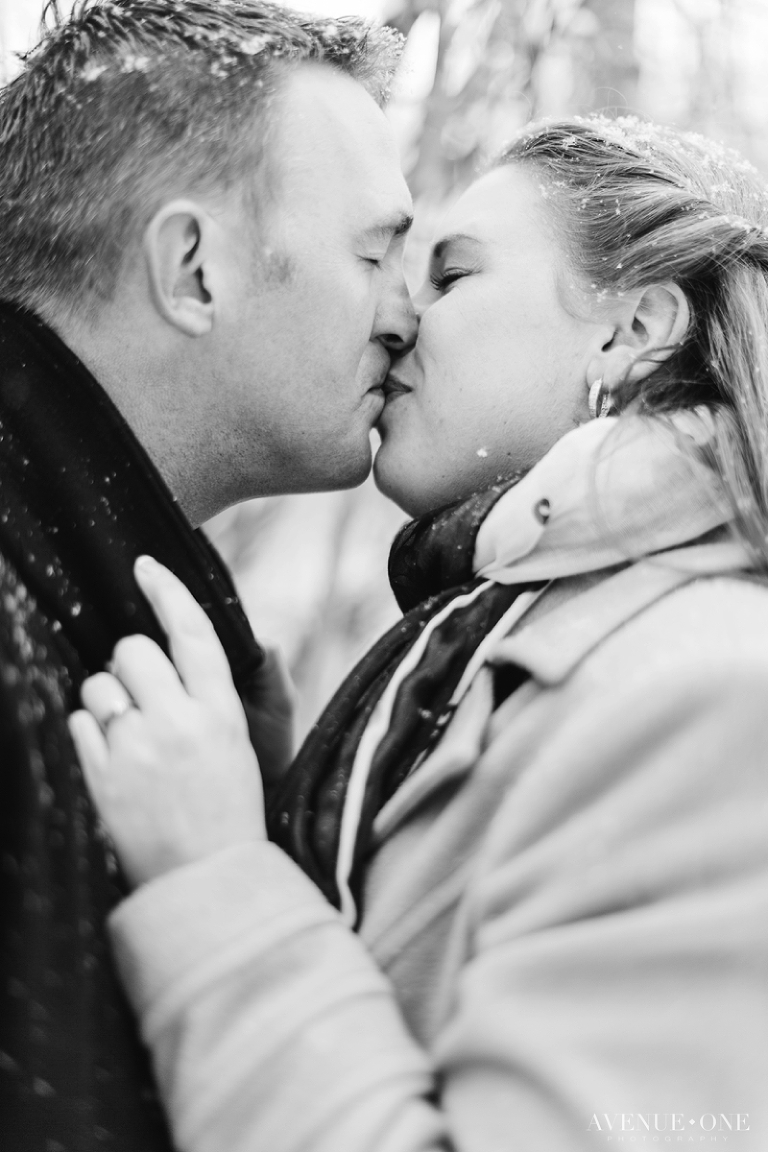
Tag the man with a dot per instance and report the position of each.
(202, 219)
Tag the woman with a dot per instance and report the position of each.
(542, 799)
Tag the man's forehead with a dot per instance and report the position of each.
(336, 155)
(328, 119)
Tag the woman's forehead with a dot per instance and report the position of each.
(505, 206)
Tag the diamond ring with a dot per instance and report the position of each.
(115, 711)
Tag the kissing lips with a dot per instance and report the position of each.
(393, 388)
(378, 388)
(377, 392)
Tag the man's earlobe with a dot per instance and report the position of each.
(176, 244)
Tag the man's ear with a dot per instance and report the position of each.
(649, 325)
(177, 246)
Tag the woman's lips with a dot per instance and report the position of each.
(393, 388)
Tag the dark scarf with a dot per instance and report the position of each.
(430, 564)
(79, 501)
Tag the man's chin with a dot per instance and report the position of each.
(350, 472)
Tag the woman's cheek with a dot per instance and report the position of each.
(443, 336)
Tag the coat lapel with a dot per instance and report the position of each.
(550, 649)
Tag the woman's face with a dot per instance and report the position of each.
(499, 370)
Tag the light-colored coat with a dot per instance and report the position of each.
(568, 902)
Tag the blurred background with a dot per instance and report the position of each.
(312, 569)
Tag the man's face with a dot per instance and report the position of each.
(318, 299)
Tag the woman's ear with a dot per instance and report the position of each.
(177, 246)
(649, 325)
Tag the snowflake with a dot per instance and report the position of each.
(92, 72)
(254, 45)
(133, 63)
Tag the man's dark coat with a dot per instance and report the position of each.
(79, 501)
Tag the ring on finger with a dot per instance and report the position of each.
(117, 709)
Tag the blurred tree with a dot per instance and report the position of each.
(609, 71)
(503, 62)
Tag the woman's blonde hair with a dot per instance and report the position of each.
(636, 204)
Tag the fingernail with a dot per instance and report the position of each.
(146, 564)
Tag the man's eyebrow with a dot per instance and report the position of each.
(448, 241)
(387, 229)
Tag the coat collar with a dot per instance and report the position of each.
(610, 492)
(553, 646)
(550, 649)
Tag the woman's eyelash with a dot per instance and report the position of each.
(442, 280)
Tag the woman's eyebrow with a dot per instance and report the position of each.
(446, 242)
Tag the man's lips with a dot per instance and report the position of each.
(377, 389)
(393, 387)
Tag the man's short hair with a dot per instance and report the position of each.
(128, 102)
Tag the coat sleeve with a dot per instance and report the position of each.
(613, 978)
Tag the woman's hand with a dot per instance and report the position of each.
(165, 750)
(270, 714)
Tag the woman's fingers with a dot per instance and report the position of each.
(91, 746)
(172, 785)
(105, 697)
(270, 713)
(146, 672)
(166, 754)
(196, 650)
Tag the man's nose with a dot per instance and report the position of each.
(400, 332)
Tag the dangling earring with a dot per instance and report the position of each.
(599, 401)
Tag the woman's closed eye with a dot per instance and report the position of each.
(441, 281)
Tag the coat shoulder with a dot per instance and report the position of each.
(715, 622)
